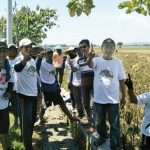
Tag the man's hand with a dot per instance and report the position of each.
(122, 103)
(129, 82)
(25, 59)
(42, 54)
(91, 53)
(70, 61)
(7, 95)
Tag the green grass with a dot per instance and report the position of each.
(14, 137)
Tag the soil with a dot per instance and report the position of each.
(56, 134)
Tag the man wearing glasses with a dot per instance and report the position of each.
(26, 72)
(87, 75)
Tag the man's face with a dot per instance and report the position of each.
(78, 51)
(34, 52)
(12, 52)
(108, 49)
(49, 55)
(25, 49)
(3, 54)
(84, 48)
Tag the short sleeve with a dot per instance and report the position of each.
(11, 74)
(122, 74)
(94, 62)
(143, 98)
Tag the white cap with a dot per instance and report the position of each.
(25, 42)
(48, 50)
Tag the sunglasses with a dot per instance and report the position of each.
(84, 46)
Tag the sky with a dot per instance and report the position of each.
(105, 21)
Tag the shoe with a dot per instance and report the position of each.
(99, 142)
(90, 130)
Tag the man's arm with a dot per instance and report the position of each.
(123, 92)
(72, 67)
(132, 96)
(90, 62)
(91, 54)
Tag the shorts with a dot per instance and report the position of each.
(54, 97)
(4, 121)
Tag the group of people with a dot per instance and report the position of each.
(94, 83)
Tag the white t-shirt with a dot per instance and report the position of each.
(47, 72)
(76, 81)
(27, 78)
(107, 74)
(145, 99)
(12, 62)
(3, 87)
(67, 66)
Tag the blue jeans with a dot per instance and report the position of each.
(113, 118)
(28, 106)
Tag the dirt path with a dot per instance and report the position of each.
(56, 133)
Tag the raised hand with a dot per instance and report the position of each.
(91, 52)
(129, 82)
(26, 58)
(42, 54)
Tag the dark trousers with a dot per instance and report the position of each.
(28, 109)
(78, 100)
(145, 144)
(60, 71)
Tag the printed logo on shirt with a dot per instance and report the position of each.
(106, 76)
(52, 73)
(32, 71)
(12, 68)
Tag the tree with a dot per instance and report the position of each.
(32, 24)
(2, 27)
(119, 44)
(76, 7)
(139, 6)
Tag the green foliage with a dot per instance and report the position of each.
(32, 24)
(76, 7)
(139, 6)
(120, 44)
(3, 27)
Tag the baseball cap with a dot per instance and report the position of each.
(12, 45)
(48, 50)
(58, 47)
(108, 41)
(25, 42)
(3, 45)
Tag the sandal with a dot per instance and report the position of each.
(99, 141)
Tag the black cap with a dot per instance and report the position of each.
(108, 41)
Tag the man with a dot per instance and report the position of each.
(13, 52)
(50, 86)
(6, 87)
(76, 84)
(142, 99)
(70, 51)
(27, 90)
(108, 75)
(87, 75)
(58, 58)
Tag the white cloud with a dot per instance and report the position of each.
(135, 20)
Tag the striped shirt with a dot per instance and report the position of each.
(87, 73)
